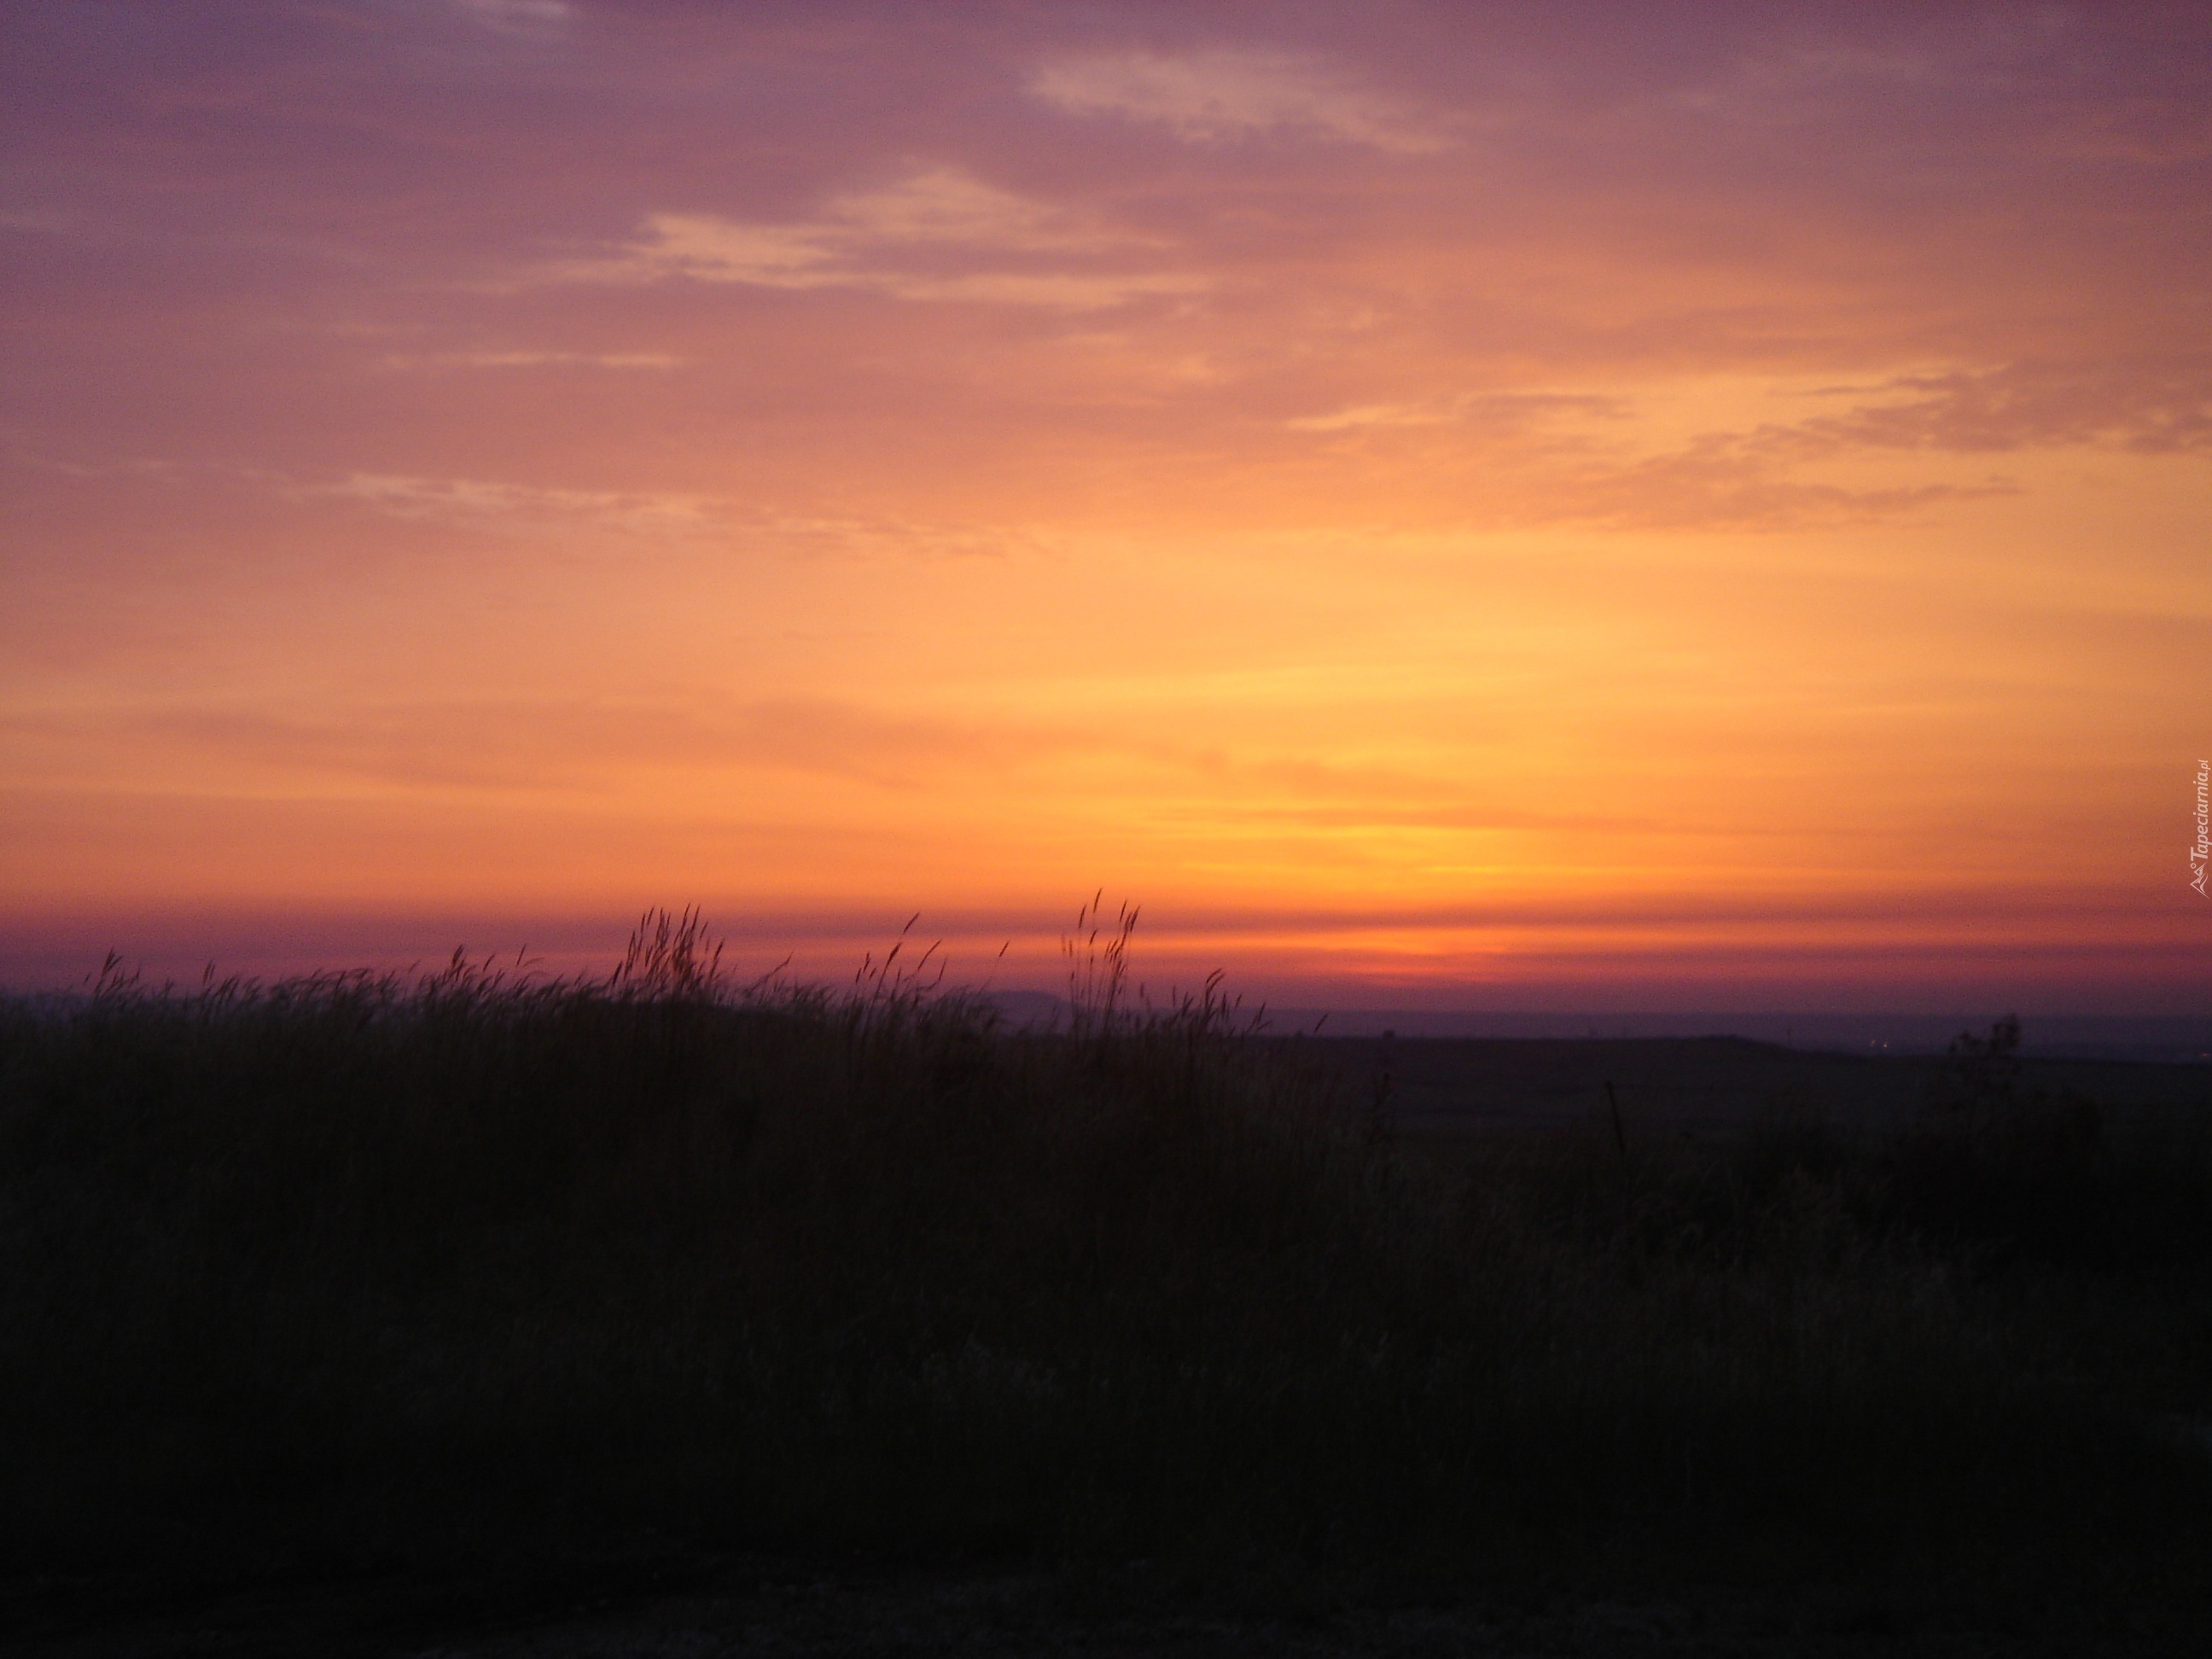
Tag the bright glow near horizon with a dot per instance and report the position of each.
(1637, 508)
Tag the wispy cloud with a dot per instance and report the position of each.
(527, 744)
(666, 518)
(1479, 412)
(2149, 406)
(921, 238)
(517, 13)
(613, 360)
(945, 204)
(512, 506)
(1209, 96)
(1372, 415)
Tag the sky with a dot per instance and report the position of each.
(1612, 504)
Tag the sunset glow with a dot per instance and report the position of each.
(1608, 505)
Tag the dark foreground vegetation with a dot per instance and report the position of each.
(349, 1274)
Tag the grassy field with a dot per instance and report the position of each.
(350, 1273)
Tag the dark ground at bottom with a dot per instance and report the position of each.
(700, 1609)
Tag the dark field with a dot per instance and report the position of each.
(1706, 1084)
(435, 1307)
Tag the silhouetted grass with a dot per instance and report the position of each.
(349, 1269)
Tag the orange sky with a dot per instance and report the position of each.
(1687, 507)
